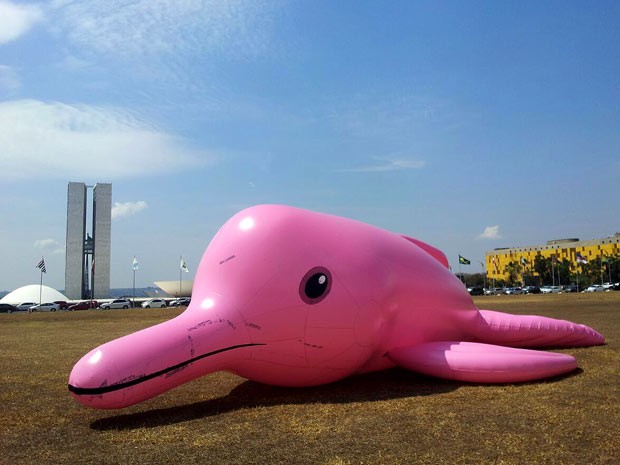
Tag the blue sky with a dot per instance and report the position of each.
(470, 125)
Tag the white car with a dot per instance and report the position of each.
(25, 305)
(595, 288)
(116, 303)
(550, 289)
(46, 307)
(155, 303)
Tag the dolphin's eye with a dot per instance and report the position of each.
(315, 285)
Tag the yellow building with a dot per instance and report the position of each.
(497, 259)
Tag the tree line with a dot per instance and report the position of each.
(545, 271)
(549, 271)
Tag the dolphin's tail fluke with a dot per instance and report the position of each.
(533, 331)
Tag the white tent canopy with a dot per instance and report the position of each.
(31, 293)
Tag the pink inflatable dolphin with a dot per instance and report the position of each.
(295, 298)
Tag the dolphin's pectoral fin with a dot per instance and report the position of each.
(481, 363)
(533, 331)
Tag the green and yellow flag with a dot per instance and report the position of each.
(463, 260)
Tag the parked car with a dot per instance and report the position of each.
(155, 303)
(513, 291)
(475, 291)
(180, 302)
(615, 287)
(25, 306)
(571, 288)
(45, 307)
(550, 289)
(84, 305)
(595, 288)
(531, 290)
(116, 303)
(8, 308)
(492, 291)
(62, 305)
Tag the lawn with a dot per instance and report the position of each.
(390, 417)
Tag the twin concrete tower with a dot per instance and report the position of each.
(87, 261)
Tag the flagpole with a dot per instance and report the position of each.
(180, 275)
(92, 277)
(134, 266)
(577, 277)
(41, 286)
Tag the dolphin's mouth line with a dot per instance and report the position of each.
(116, 387)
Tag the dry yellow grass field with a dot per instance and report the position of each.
(390, 417)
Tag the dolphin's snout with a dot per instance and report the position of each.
(142, 365)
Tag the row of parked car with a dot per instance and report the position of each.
(150, 303)
(89, 304)
(542, 290)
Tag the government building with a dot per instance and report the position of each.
(497, 259)
(87, 256)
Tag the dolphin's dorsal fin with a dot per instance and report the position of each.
(434, 252)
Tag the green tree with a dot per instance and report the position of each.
(474, 279)
(513, 270)
(542, 266)
(589, 273)
(563, 272)
(612, 268)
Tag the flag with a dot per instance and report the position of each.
(41, 266)
(580, 259)
(92, 267)
(134, 264)
(523, 261)
(463, 261)
(184, 266)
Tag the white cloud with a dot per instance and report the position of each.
(44, 243)
(490, 232)
(9, 81)
(387, 164)
(17, 19)
(146, 27)
(49, 246)
(123, 210)
(55, 140)
(382, 113)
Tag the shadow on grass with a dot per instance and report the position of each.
(383, 385)
(395, 383)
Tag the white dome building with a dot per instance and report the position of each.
(176, 288)
(31, 293)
